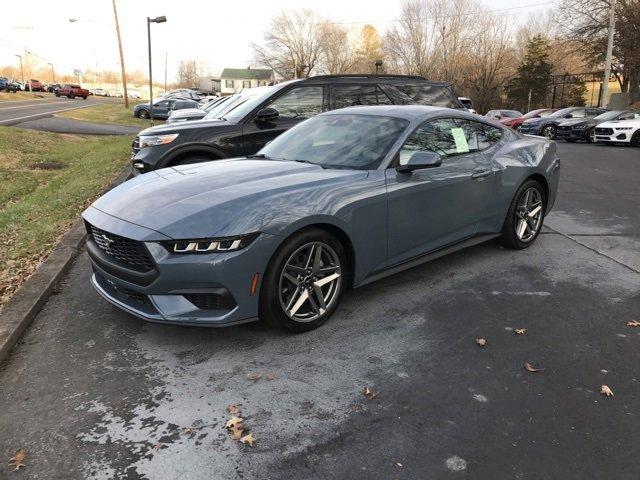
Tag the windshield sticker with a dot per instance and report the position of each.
(461, 141)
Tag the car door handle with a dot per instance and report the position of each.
(477, 174)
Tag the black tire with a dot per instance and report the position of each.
(142, 113)
(589, 138)
(271, 307)
(635, 140)
(71, 96)
(84, 97)
(57, 94)
(509, 236)
(548, 131)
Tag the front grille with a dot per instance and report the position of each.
(133, 295)
(604, 131)
(130, 252)
(211, 301)
(564, 128)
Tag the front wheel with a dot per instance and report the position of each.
(143, 113)
(526, 214)
(591, 135)
(635, 140)
(549, 131)
(304, 281)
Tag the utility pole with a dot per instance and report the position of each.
(165, 71)
(150, 20)
(124, 75)
(21, 68)
(53, 73)
(607, 62)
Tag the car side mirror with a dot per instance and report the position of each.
(420, 160)
(267, 115)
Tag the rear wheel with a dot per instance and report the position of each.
(71, 96)
(142, 113)
(304, 282)
(526, 214)
(549, 131)
(591, 135)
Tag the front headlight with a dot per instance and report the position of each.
(210, 245)
(624, 128)
(580, 126)
(153, 140)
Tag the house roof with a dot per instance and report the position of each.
(247, 73)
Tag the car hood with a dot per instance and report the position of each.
(224, 197)
(178, 127)
(575, 121)
(620, 123)
(187, 112)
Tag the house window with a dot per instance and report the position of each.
(246, 84)
(228, 83)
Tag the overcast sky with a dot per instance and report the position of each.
(213, 32)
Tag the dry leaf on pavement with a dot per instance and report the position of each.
(605, 390)
(520, 331)
(17, 459)
(190, 430)
(530, 368)
(236, 431)
(399, 465)
(232, 422)
(270, 376)
(248, 440)
(370, 394)
(633, 323)
(481, 342)
(254, 376)
(160, 446)
(233, 409)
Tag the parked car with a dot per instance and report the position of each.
(8, 85)
(620, 131)
(584, 128)
(199, 113)
(515, 123)
(99, 92)
(329, 204)
(503, 114)
(250, 125)
(546, 126)
(34, 85)
(162, 108)
(72, 90)
(467, 104)
(53, 87)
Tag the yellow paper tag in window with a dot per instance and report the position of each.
(461, 141)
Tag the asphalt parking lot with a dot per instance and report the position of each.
(92, 393)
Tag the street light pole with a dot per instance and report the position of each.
(150, 20)
(378, 65)
(607, 62)
(124, 75)
(21, 69)
(53, 73)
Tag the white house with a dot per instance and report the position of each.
(233, 80)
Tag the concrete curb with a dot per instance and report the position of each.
(28, 300)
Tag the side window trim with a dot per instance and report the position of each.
(251, 116)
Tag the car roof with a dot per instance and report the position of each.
(370, 78)
(407, 112)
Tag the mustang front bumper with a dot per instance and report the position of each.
(186, 289)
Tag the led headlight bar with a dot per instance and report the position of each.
(210, 245)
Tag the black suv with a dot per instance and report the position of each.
(255, 119)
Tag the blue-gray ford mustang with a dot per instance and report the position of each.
(340, 200)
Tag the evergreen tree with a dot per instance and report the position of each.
(533, 75)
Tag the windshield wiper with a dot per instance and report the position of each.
(310, 163)
(259, 155)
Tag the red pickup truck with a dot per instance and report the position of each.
(71, 90)
(35, 85)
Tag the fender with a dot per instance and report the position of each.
(191, 148)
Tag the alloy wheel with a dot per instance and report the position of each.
(529, 214)
(591, 136)
(549, 132)
(310, 282)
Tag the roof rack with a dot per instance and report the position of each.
(367, 75)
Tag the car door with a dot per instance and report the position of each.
(161, 109)
(293, 106)
(431, 208)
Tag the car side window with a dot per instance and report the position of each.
(445, 136)
(629, 116)
(487, 135)
(351, 95)
(299, 103)
(580, 113)
(593, 112)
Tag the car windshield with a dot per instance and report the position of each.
(511, 113)
(609, 115)
(345, 141)
(562, 112)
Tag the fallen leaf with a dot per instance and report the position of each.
(633, 323)
(17, 459)
(160, 446)
(270, 376)
(254, 376)
(236, 431)
(248, 440)
(398, 464)
(233, 409)
(520, 331)
(530, 368)
(481, 342)
(232, 422)
(605, 390)
(370, 394)
(190, 430)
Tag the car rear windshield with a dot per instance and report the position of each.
(425, 94)
(348, 141)
(608, 115)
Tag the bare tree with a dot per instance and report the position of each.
(292, 46)
(188, 75)
(369, 50)
(337, 53)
